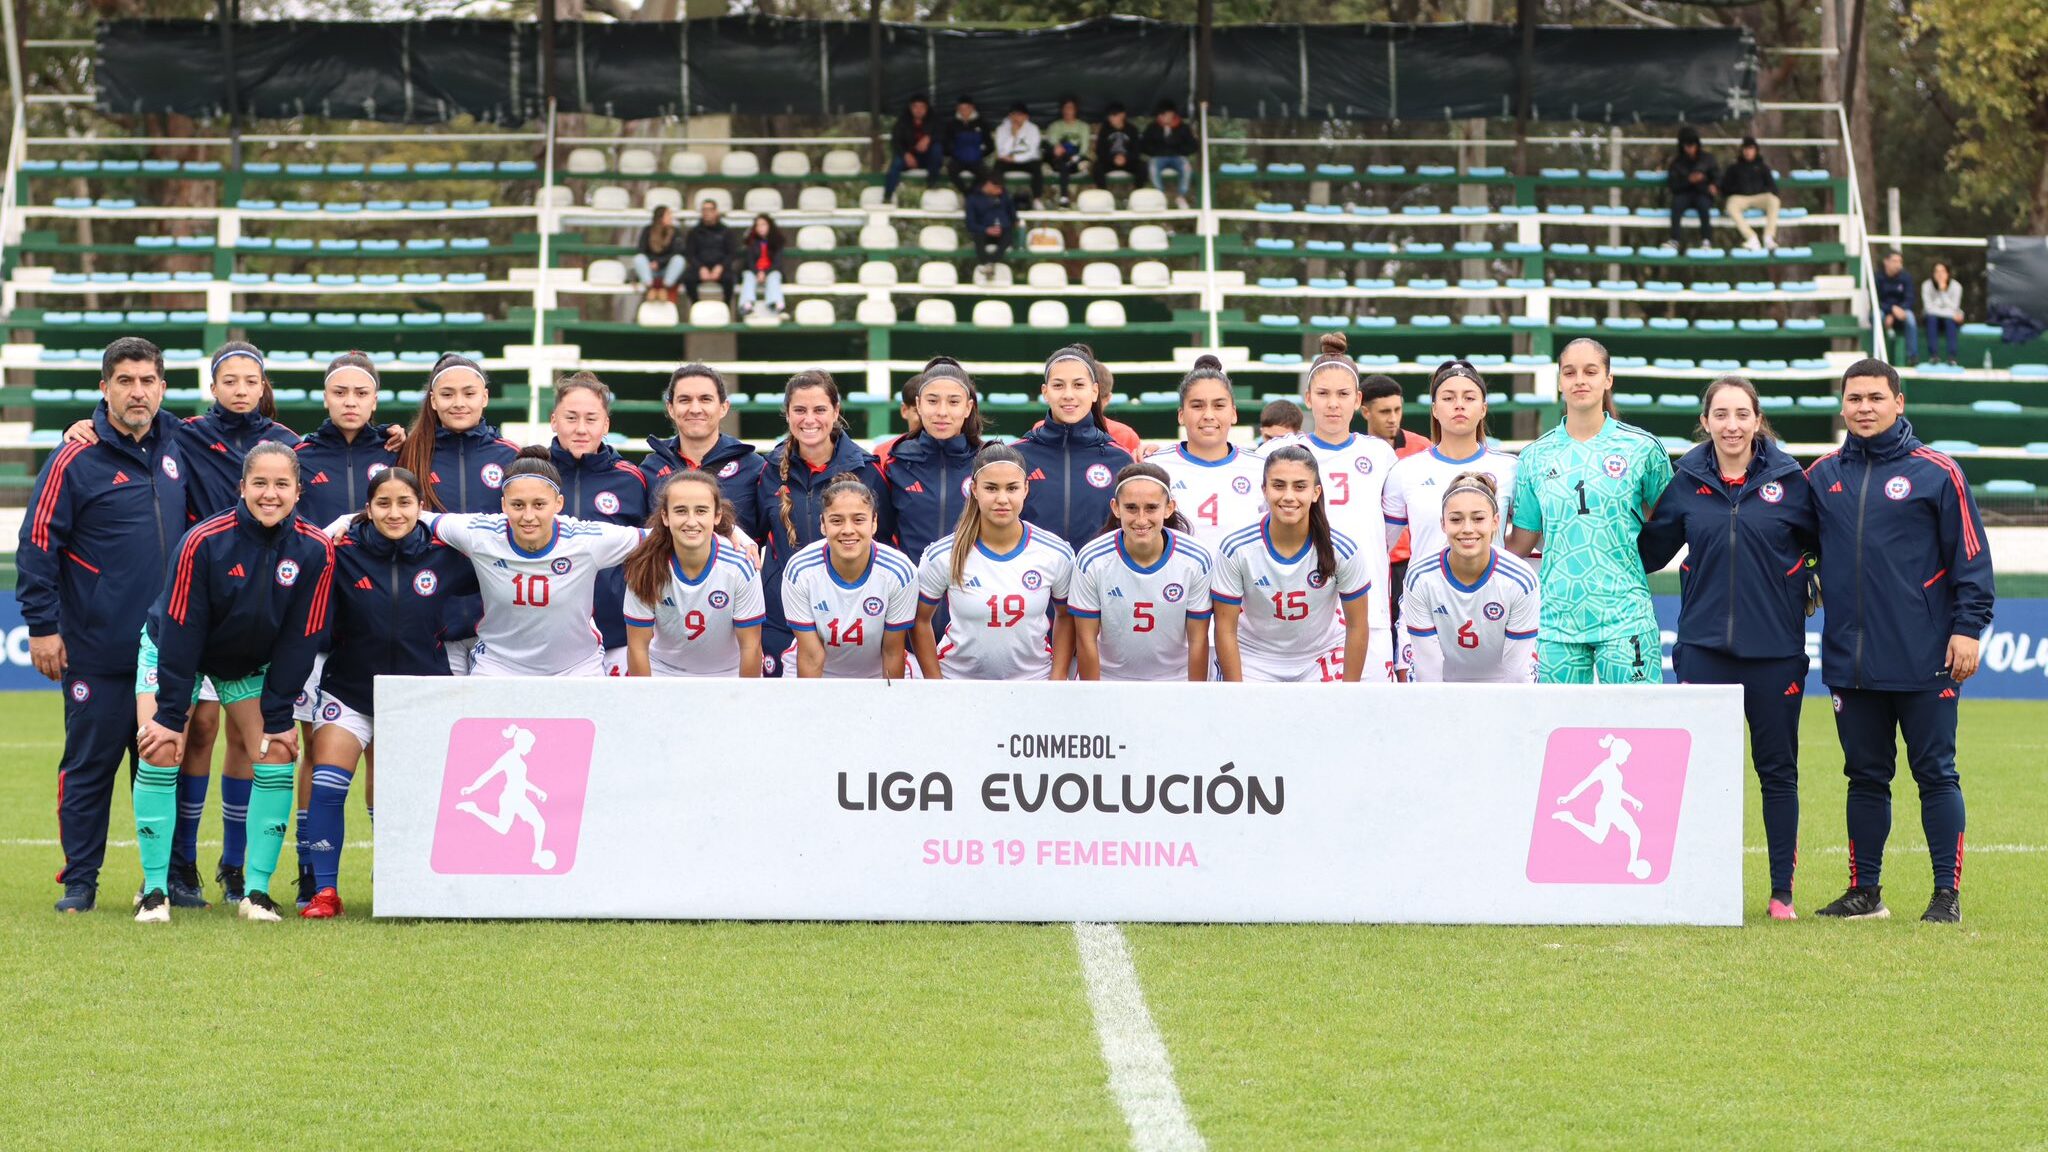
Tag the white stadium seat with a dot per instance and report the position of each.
(1045, 240)
(938, 313)
(636, 162)
(815, 313)
(817, 200)
(605, 272)
(1148, 200)
(739, 164)
(878, 274)
(937, 274)
(611, 198)
(1046, 275)
(1043, 314)
(841, 162)
(1095, 201)
(790, 164)
(939, 200)
(938, 238)
(683, 162)
(1105, 314)
(877, 311)
(1098, 239)
(718, 196)
(584, 161)
(670, 196)
(767, 200)
(1149, 238)
(816, 238)
(1101, 274)
(1150, 274)
(558, 195)
(871, 197)
(994, 314)
(878, 236)
(816, 274)
(710, 314)
(657, 312)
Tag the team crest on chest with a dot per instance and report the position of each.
(425, 583)
(1033, 578)
(1316, 579)
(1364, 466)
(376, 468)
(1615, 465)
(872, 606)
(561, 566)
(170, 468)
(1098, 476)
(1772, 492)
(1898, 488)
(731, 469)
(287, 573)
(1242, 485)
(607, 503)
(718, 598)
(1493, 610)
(493, 476)
(1173, 593)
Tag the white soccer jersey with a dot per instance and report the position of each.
(536, 604)
(696, 625)
(1482, 633)
(1289, 623)
(1218, 497)
(1414, 496)
(1001, 623)
(1143, 611)
(850, 619)
(1354, 475)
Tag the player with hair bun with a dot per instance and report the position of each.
(850, 599)
(538, 569)
(1354, 469)
(1214, 483)
(1140, 598)
(1001, 579)
(598, 485)
(1470, 609)
(1278, 584)
(694, 605)
(1070, 459)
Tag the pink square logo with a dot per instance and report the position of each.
(1607, 806)
(512, 797)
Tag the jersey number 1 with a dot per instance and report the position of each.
(529, 591)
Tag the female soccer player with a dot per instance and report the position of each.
(693, 600)
(697, 405)
(349, 448)
(1215, 485)
(1470, 609)
(1742, 508)
(1000, 579)
(246, 607)
(1583, 491)
(927, 472)
(851, 600)
(1354, 471)
(538, 569)
(789, 491)
(598, 485)
(391, 577)
(1277, 585)
(1140, 600)
(1413, 499)
(1071, 453)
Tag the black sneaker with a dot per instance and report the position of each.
(185, 891)
(231, 883)
(1945, 908)
(78, 897)
(1861, 903)
(306, 886)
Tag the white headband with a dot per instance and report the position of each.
(1492, 501)
(436, 377)
(1119, 489)
(1069, 354)
(231, 354)
(333, 372)
(1346, 365)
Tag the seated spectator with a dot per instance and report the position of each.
(708, 252)
(1066, 146)
(1169, 142)
(1895, 304)
(1116, 148)
(912, 144)
(1280, 418)
(656, 259)
(1941, 302)
(1750, 183)
(1691, 178)
(966, 145)
(761, 265)
(991, 220)
(1020, 148)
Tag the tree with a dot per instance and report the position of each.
(1993, 57)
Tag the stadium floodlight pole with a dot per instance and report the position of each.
(547, 60)
(1205, 55)
(13, 62)
(1210, 303)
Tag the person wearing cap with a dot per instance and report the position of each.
(1750, 183)
(1019, 148)
(1691, 178)
(913, 143)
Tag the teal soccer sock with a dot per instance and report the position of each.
(270, 815)
(156, 816)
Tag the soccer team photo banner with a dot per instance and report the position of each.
(862, 800)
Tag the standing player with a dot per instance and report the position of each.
(538, 569)
(1354, 473)
(693, 600)
(349, 448)
(1278, 583)
(1471, 609)
(1413, 500)
(851, 601)
(1910, 592)
(1001, 580)
(1214, 484)
(1740, 507)
(246, 608)
(1140, 599)
(1070, 459)
(928, 469)
(697, 406)
(1583, 492)
(598, 485)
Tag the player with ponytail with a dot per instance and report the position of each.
(694, 604)
(1140, 600)
(927, 473)
(1278, 584)
(698, 403)
(1354, 468)
(597, 485)
(1215, 484)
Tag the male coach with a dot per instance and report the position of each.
(102, 525)
(1907, 577)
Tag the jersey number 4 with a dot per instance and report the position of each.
(1209, 511)
(529, 591)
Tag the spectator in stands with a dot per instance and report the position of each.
(991, 221)
(1691, 178)
(1895, 304)
(1116, 149)
(1750, 183)
(1280, 418)
(1066, 146)
(1168, 143)
(658, 250)
(913, 144)
(708, 252)
(761, 265)
(966, 145)
(1020, 148)
(1941, 302)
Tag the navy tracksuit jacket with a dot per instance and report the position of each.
(805, 488)
(103, 523)
(1072, 468)
(605, 487)
(335, 472)
(387, 610)
(211, 447)
(928, 484)
(733, 462)
(467, 475)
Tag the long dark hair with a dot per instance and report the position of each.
(808, 378)
(1318, 515)
(1096, 372)
(967, 532)
(1764, 431)
(417, 453)
(1456, 370)
(646, 565)
(388, 476)
(1606, 365)
(947, 368)
(1141, 470)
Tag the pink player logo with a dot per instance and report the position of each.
(529, 777)
(1607, 806)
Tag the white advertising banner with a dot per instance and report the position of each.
(863, 800)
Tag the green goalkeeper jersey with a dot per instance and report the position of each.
(1590, 499)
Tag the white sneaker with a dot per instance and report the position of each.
(259, 907)
(1752, 245)
(154, 908)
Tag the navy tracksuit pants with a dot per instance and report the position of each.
(1772, 691)
(99, 732)
(1870, 723)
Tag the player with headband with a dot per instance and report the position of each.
(1070, 459)
(1470, 610)
(1354, 470)
(1001, 579)
(538, 569)
(1215, 484)
(694, 605)
(1278, 584)
(1140, 599)
(851, 600)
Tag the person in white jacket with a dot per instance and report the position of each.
(1020, 148)
(1941, 304)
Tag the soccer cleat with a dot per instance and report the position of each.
(186, 891)
(307, 888)
(78, 897)
(325, 905)
(230, 881)
(1945, 908)
(154, 909)
(1860, 903)
(1781, 906)
(260, 907)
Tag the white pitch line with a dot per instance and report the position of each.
(1140, 1073)
(1913, 849)
(36, 843)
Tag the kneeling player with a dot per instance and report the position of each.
(850, 601)
(1470, 611)
(693, 600)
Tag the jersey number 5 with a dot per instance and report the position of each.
(529, 591)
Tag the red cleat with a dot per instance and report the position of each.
(325, 905)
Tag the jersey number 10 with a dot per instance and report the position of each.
(529, 591)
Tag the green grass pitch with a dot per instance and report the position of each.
(359, 1034)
